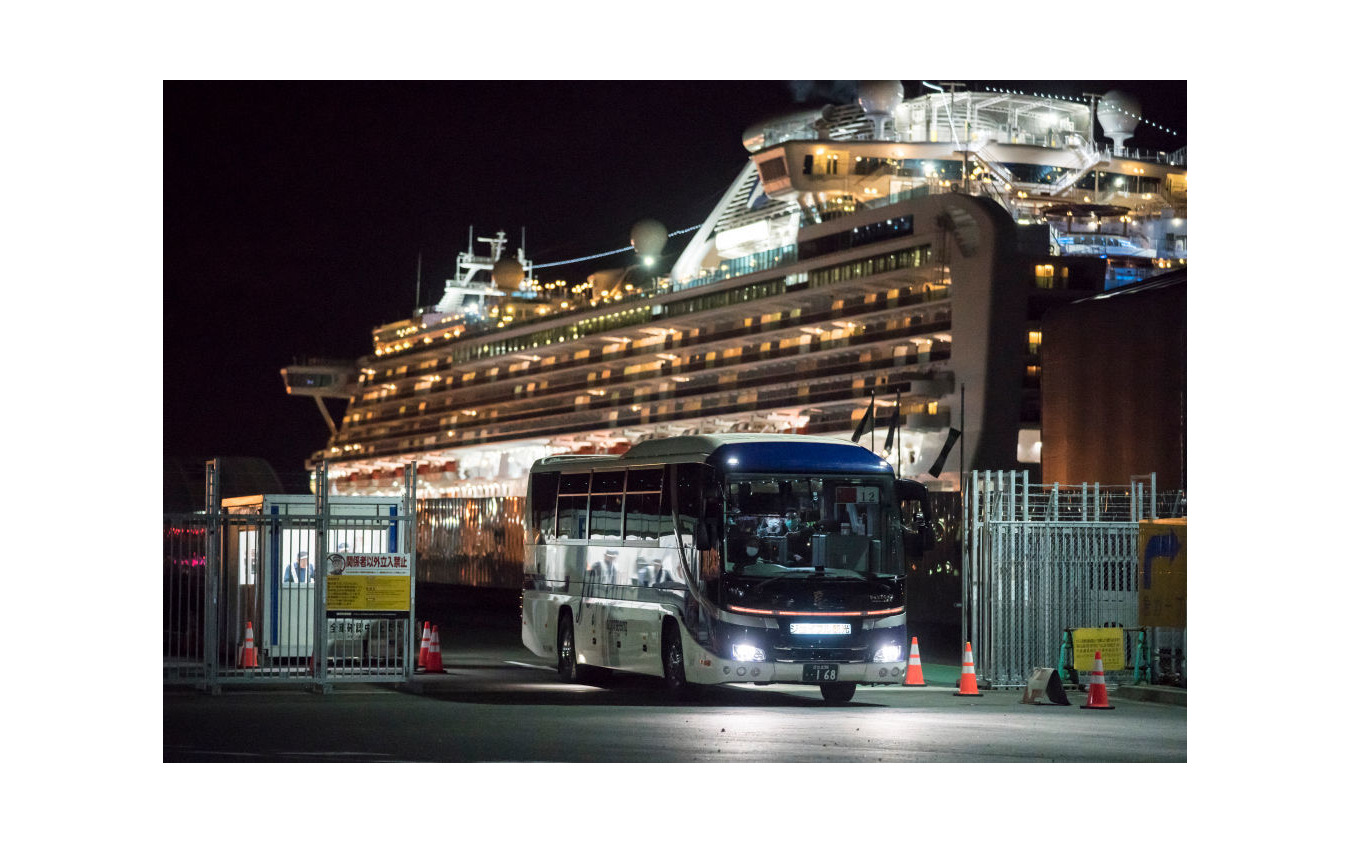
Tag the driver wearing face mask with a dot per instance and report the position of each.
(798, 540)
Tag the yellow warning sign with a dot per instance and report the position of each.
(367, 593)
(1109, 640)
(369, 583)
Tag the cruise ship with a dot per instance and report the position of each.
(884, 263)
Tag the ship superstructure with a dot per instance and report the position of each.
(894, 253)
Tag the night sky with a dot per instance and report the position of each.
(294, 213)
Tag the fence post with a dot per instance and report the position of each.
(322, 518)
(211, 600)
(1026, 495)
(410, 536)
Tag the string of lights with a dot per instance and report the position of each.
(1111, 106)
(604, 254)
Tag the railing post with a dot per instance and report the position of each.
(320, 575)
(410, 537)
(211, 598)
(1026, 495)
(1153, 495)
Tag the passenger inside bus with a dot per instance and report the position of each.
(774, 525)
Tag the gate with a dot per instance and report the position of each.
(1043, 559)
(246, 588)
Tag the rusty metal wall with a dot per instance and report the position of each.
(471, 541)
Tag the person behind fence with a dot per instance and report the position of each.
(298, 571)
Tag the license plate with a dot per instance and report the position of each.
(809, 629)
(818, 673)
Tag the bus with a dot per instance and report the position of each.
(736, 558)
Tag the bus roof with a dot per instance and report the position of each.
(739, 453)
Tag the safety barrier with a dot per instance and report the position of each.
(1041, 559)
(290, 589)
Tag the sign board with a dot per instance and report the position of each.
(1162, 573)
(1109, 640)
(369, 585)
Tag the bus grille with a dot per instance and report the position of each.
(820, 654)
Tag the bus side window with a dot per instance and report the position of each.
(688, 499)
(572, 493)
(642, 504)
(606, 505)
(543, 505)
(666, 525)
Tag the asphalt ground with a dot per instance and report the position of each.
(496, 702)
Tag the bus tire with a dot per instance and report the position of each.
(672, 663)
(567, 649)
(838, 692)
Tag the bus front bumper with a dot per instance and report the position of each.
(705, 668)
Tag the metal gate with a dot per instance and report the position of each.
(245, 589)
(1043, 559)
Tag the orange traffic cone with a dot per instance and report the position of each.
(434, 665)
(968, 687)
(914, 671)
(1097, 686)
(426, 645)
(248, 657)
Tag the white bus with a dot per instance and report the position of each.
(736, 558)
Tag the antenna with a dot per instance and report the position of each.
(417, 300)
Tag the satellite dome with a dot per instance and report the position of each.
(1118, 113)
(648, 238)
(508, 273)
(880, 97)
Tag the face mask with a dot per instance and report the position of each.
(791, 524)
(751, 551)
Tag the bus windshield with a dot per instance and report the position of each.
(786, 525)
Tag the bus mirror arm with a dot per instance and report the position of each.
(705, 534)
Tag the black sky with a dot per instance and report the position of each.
(294, 212)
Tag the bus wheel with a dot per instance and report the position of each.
(838, 692)
(567, 650)
(672, 660)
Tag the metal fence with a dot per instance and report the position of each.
(245, 590)
(1045, 558)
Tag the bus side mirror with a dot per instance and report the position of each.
(706, 530)
(920, 539)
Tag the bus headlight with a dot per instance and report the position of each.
(746, 653)
(887, 653)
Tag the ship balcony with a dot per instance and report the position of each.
(939, 421)
(829, 387)
(936, 387)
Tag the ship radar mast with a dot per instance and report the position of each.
(479, 276)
